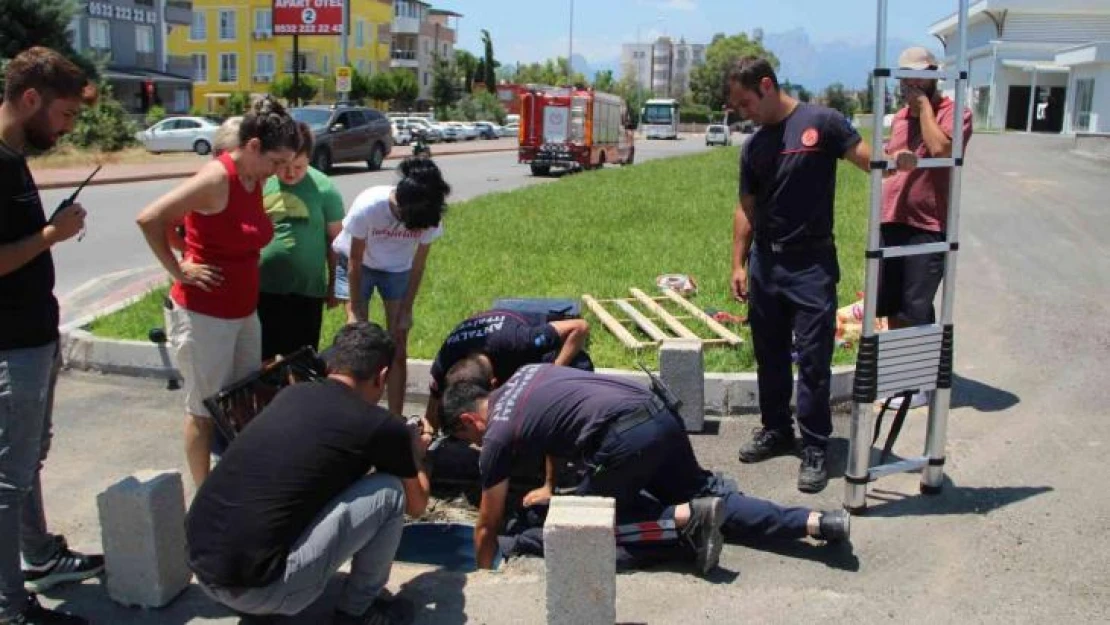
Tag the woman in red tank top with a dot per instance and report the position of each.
(211, 314)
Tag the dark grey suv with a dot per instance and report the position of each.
(347, 133)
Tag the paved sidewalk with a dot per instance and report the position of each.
(66, 177)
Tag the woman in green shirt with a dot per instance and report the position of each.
(297, 267)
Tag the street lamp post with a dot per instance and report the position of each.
(570, 49)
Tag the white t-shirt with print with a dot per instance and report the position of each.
(390, 246)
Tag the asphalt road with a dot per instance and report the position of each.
(113, 242)
(1017, 536)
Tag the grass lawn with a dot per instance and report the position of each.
(598, 233)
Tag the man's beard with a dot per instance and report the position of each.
(36, 131)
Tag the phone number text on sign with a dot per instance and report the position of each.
(308, 29)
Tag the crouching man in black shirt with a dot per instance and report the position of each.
(636, 451)
(293, 498)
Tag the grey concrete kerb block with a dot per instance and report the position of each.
(580, 560)
(725, 393)
(142, 525)
(682, 369)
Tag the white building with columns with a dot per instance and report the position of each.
(1036, 65)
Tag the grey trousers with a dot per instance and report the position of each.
(363, 524)
(27, 379)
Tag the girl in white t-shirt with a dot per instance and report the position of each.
(384, 246)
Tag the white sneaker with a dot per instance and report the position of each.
(917, 400)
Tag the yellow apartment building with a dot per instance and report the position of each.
(233, 48)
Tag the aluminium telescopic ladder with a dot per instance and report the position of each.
(918, 359)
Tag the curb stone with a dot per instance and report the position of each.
(725, 393)
(172, 175)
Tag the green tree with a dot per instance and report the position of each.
(282, 87)
(708, 81)
(837, 97)
(360, 87)
(28, 23)
(634, 95)
(445, 89)
(104, 126)
(489, 64)
(551, 72)
(481, 106)
(237, 103)
(468, 67)
(603, 81)
(405, 88)
(381, 87)
(154, 115)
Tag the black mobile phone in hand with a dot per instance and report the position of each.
(69, 201)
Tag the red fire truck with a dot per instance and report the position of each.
(573, 129)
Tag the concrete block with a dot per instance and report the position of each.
(581, 561)
(142, 524)
(682, 368)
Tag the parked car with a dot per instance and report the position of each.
(450, 132)
(510, 130)
(180, 134)
(470, 131)
(746, 126)
(488, 130)
(431, 133)
(401, 134)
(347, 133)
(717, 134)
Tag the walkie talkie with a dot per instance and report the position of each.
(661, 390)
(69, 201)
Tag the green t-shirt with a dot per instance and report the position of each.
(295, 261)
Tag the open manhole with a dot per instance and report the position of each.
(449, 546)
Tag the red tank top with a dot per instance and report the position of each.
(230, 240)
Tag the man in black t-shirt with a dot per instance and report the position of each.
(635, 449)
(506, 340)
(784, 258)
(293, 498)
(43, 94)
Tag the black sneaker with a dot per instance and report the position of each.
(703, 530)
(813, 476)
(766, 443)
(835, 526)
(65, 566)
(386, 610)
(34, 614)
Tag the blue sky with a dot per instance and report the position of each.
(530, 30)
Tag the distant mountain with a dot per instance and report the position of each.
(817, 65)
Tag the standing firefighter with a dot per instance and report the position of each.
(784, 258)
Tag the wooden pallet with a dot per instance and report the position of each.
(723, 336)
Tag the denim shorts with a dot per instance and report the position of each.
(391, 285)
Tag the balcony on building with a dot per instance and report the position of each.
(401, 57)
(179, 12)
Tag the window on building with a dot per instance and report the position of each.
(229, 67)
(264, 64)
(199, 29)
(1084, 103)
(99, 35)
(360, 33)
(425, 79)
(200, 67)
(181, 100)
(144, 39)
(227, 24)
(324, 65)
(302, 62)
(264, 21)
